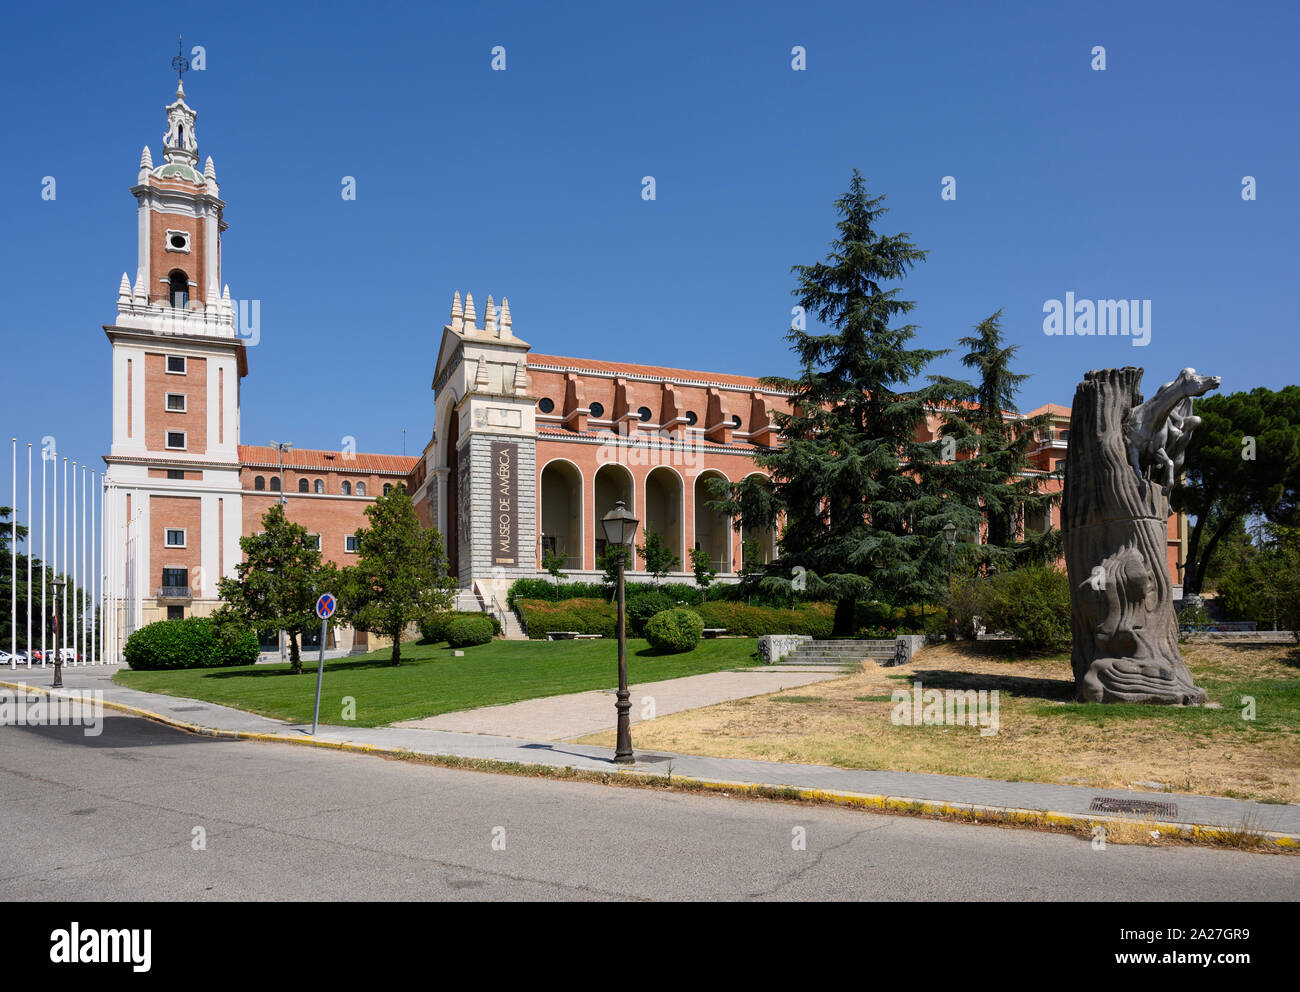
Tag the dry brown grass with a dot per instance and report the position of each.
(1043, 736)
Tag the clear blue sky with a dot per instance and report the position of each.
(527, 183)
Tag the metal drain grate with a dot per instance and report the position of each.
(1102, 804)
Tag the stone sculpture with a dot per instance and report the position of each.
(1121, 463)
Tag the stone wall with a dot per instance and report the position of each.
(773, 647)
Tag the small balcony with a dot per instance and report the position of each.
(175, 593)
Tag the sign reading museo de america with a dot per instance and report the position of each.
(505, 503)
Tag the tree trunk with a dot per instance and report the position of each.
(295, 658)
(1115, 530)
(844, 614)
(396, 656)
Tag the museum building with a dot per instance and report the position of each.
(527, 452)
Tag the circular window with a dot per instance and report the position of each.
(644, 413)
(597, 410)
(178, 241)
(546, 404)
(735, 421)
(691, 418)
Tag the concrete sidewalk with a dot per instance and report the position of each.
(576, 714)
(887, 789)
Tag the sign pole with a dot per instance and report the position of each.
(325, 607)
(320, 674)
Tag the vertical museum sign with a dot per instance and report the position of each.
(505, 503)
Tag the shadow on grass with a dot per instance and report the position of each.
(1056, 690)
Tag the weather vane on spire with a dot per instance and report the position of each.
(180, 63)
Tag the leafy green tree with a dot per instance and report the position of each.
(608, 561)
(1261, 577)
(655, 554)
(276, 585)
(1242, 461)
(705, 573)
(39, 617)
(863, 513)
(401, 575)
(554, 563)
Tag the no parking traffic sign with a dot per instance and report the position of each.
(326, 605)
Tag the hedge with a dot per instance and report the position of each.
(547, 591)
(193, 642)
(468, 630)
(643, 607)
(674, 631)
(433, 629)
(741, 619)
(1031, 604)
(586, 616)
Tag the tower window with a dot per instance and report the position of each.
(691, 417)
(176, 364)
(303, 486)
(176, 402)
(179, 287)
(259, 483)
(319, 487)
(644, 414)
(361, 488)
(735, 421)
(275, 483)
(597, 409)
(388, 488)
(176, 439)
(175, 537)
(178, 241)
(546, 404)
(347, 488)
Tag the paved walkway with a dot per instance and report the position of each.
(557, 718)
(1071, 800)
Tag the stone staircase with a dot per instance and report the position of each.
(468, 601)
(842, 654)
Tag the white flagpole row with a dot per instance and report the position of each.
(87, 553)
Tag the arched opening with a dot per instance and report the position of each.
(178, 287)
(712, 529)
(663, 510)
(303, 486)
(347, 488)
(259, 483)
(275, 483)
(765, 536)
(612, 483)
(561, 512)
(318, 487)
(361, 488)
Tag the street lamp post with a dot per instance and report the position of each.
(950, 535)
(282, 447)
(58, 654)
(620, 530)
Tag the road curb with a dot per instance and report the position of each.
(1078, 823)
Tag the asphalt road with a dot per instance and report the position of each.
(119, 817)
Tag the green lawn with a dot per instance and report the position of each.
(431, 681)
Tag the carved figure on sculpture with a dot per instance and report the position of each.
(1156, 433)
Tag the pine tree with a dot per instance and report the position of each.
(983, 454)
(862, 514)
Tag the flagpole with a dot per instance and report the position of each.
(45, 562)
(63, 627)
(82, 598)
(27, 544)
(94, 570)
(13, 565)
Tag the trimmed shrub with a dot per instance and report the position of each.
(433, 629)
(739, 618)
(643, 607)
(1031, 604)
(586, 616)
(674, 631)
(468, 630)
(546, 589)
(194, 642)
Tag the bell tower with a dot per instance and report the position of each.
(173, 493)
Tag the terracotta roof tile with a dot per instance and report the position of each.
(654, 371)
(255, 454)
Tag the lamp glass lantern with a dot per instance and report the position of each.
(619, 524)
(950, 533)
